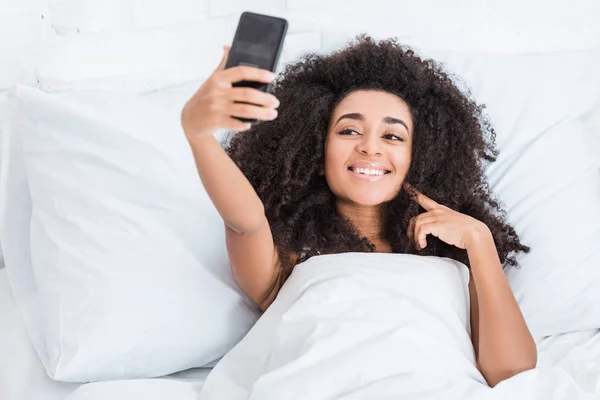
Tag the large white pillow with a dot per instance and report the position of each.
(128, 273)
(551, 188)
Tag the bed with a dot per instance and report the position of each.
(531, 118)
(567, 362)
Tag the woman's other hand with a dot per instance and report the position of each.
(450, 226)
(214, 105)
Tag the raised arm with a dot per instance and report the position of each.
(250, 245)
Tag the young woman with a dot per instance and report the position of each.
(349, 143)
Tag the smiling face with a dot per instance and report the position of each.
(368, 148)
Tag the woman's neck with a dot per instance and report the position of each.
(367, 221)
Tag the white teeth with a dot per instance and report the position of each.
(368, 171)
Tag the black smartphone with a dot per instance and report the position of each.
(257, 43)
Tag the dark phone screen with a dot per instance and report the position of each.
(257, 41)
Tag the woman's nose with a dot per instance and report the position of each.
(369, 146)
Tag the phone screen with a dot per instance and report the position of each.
(258, 41)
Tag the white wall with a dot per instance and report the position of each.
(53, 42)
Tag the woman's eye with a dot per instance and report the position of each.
(350, 132)
(391, 136)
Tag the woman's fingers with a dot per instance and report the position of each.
(425, 202)
(217, 101)
(245, 73)
(251, 111)
(421, 234)
(419, 227)
(236, 125)
(253, 96)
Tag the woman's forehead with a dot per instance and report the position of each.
(372, 104)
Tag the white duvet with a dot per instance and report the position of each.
(371, 326)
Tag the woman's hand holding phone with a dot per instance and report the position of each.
(217, 102)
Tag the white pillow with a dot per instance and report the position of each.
(551, 189)
(547, 175)
(129, 274)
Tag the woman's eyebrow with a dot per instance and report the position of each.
(386, 120)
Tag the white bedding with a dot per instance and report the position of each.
(353, 326)
(569, 361)
(578, 353)
(22, 376)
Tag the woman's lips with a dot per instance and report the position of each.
(367, 177)
(368, 165)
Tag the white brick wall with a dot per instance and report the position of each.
(76, 16)
(217, 8)
(55, 42)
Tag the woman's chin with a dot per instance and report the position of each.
(369, 200)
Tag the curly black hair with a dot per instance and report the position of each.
(453, 141)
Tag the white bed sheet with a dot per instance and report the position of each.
(22, 376)
(578, 353)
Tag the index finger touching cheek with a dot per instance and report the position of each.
(425, 202)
